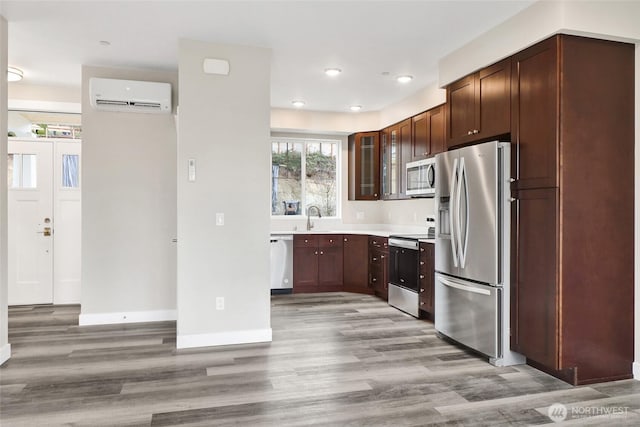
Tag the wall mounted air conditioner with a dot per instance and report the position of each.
(129, 95)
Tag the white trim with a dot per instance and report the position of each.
(224, 338)
(45, 106)
(636, 370)
(5, 353)
(127, 317)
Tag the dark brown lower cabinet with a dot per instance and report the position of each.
(534, 305)
(356, 266)
(378, 269)
(426, 283)
(317, 263)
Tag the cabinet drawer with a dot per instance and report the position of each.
(329, 240)
(378, 242)
(305, 240)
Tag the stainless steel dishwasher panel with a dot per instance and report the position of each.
(282, 262)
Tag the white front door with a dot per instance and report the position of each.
(30, 217)
(44, 222)
(67, 214)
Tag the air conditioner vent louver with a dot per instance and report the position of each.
(130, 96)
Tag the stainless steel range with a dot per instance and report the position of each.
(404, 264)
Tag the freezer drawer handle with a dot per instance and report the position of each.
(463, 287)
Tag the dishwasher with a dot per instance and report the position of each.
(281, 264)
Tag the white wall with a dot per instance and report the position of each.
(224, 126)
(128, 209)
(5, 347)
(613, 20)
(636, 365)
(290, 120)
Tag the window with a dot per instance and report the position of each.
(303, 174)
(22, 171)
(70, 172)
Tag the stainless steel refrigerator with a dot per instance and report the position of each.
(472, 249)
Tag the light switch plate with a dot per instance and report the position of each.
(192, 170)
(219, 218)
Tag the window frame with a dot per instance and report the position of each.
(304, 141)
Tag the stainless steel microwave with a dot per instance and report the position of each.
(421, 178)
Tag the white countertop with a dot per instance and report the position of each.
(380, 233)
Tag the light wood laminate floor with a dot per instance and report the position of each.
(336, 359)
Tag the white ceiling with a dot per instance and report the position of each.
(50, 40)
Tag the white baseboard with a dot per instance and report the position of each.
(127, 317)
(224, 338)
(636, 370)
(5, 353)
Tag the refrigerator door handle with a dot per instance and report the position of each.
(460, 178)
(462, 186)
(452, 209)
(462, 287)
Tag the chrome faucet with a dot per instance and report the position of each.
(309, 223)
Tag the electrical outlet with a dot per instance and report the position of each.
(219, 219)
(219, 303)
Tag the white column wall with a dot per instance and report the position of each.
(224, 127)
(128, 209)
(5, 347)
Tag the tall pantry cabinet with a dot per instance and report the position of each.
(572, 272)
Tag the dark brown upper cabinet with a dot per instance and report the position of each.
(479, 105)
(364, 166)
(428, 133)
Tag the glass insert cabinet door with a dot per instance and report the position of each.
(364, 166)
(390, 163)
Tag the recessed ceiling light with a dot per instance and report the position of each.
(355, 107)
(298, 103)
(404, 79)
(14, 74)
(332, 72)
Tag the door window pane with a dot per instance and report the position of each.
(22, 170)
(70, 170)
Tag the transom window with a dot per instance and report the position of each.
(304, 174)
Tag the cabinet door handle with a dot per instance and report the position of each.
(422, 250)
(321, 253)
(316, 252)
(330, 240)
(381, 256)
(421, 290)
(306, 241)
(421, 303)
(469, 133)
(374, 280)
(422, 276)
(345, 239)
(476, 131)
(375, 259)
(421, 262)
(375, 195)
